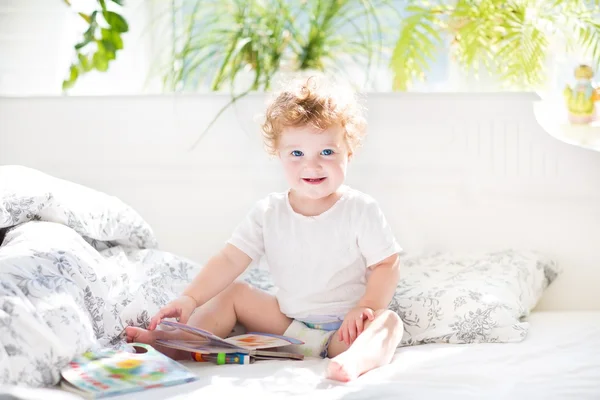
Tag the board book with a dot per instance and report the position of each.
(259, 346)
(109, 372)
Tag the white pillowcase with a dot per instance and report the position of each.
(445, 298)
(28, 194)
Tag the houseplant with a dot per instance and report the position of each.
(241, 45)
(508, 38)
(101, 41)
(223, 38)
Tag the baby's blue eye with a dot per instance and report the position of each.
(327, 152)
(297, 153)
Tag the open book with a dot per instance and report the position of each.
(254, 344)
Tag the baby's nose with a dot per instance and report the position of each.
(312, 164)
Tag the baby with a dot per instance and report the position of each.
(331, 253)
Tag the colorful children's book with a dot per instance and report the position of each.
(108, 372)
(259, 346)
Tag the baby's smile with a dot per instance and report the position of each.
(314, 181)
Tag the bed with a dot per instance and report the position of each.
(559, 360)
(480, 177)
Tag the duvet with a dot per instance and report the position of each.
(76, 267)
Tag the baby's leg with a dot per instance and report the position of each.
(258, 311)
(374, 347)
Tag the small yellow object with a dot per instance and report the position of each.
(584, 72)
(128, 364)
(581, 97)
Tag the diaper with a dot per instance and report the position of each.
(316, 337)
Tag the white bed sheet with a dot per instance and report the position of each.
(560, 359)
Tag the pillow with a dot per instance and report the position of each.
(445, 298)
(27, 194)
(473, 298)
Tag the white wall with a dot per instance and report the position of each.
(452, 172)
(35, 46)
(37, 39)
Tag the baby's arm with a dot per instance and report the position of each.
(218, 273)
(381, 284)
(380, 289)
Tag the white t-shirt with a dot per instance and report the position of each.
(319, 264)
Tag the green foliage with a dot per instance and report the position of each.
(419, 39)
(100, 43)
(224, 39)
(508, 38)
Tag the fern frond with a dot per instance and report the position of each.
(415, 48)
(584, 28)
(522, 50)
(476, 28)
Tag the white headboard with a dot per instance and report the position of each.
(453, 172)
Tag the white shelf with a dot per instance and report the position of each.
(552, 117)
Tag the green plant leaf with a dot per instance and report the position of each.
(476, 27)
(107, 48)
(119, 2)
(588, 37)
(116, 21)
(100, 61)
(416, 45)
(73, 75)
(86, 17)
(85, 63)
(113, 36)
(522, 49)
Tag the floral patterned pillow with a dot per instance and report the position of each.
(444, 298)
(27, 194)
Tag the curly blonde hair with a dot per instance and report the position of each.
(317, 102)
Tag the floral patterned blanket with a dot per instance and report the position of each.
(76, 267)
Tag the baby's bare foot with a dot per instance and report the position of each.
(343, 368)
(140, 335)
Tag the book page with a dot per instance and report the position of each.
(254, 340)
(249, 341)
(189, 333)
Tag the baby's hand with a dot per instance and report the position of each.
(180, 308)
(353, 324)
